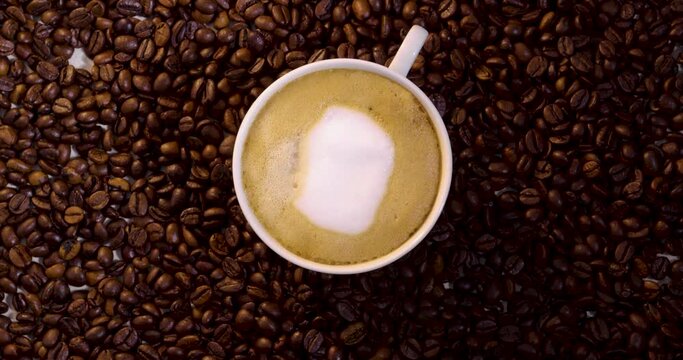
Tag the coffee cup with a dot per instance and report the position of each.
(343, 166)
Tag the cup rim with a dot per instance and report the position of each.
(406, 246)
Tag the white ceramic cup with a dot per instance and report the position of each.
(397, 71)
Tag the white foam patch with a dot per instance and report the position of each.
(348, 163)
(80, 60)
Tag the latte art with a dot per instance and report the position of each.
(347, 163)
(341, 166)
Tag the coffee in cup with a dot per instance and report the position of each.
(342, 166)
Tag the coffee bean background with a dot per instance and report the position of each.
(121, 237)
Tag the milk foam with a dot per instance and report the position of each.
(275, 165)
(346, 165)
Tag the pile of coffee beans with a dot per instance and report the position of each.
(121, 237)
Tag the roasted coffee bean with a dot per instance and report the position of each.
(69, 249)
(190, 216)
(353, 334)
(98, 200)
(313, 341)
(565, 46)
(62, 106)
(579, 99)
(295, 59)
(137, 204)
(126, 43)
(6, 48)
(20, 256)
(361, 9)
(633, 190)
(534, 141)
(591, 169)
(660, 268)
(206, 6)
(125, 339)
(147, 352)
(529, 197)
(624, 252)
(137, 236)
(411, 349)
(200, 295)
(47, 71)
(323, 9)
(73, 215)
(80, 17)
(265, 23)
(582, 62)
(553, 114)
(537, 66)
(607, 49)
(129, 7)
(8, 136)
(19, 204)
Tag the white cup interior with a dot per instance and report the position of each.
(423, 230)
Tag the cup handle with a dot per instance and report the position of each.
(410, 48)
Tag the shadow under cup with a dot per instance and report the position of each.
(423, 227)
